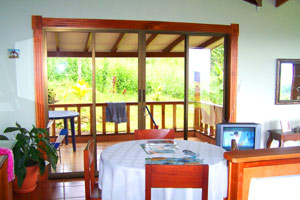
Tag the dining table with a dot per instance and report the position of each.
(65, 115)
(122, 172)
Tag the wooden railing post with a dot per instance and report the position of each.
(79, 120)
(200, 121)
(116, 128)
(163, 116)
(196, 118)
(103, 120)
(174, 117)
(152, 113)
(91, 122)
(128, 118)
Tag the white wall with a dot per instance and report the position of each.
(266, 34)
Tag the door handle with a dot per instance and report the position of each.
(140, 96)
(144, 99)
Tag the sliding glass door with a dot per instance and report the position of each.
(164, 80)
(206, 83)
(116, 80)
(176, 77)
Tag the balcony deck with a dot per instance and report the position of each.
(202, 119)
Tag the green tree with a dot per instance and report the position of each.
(217, 75)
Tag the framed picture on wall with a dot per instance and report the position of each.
(285, 126)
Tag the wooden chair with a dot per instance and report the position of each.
(91, 187)
(176, 176)
(154, 134)
(61, 136)
(234, 146)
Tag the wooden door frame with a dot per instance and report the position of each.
(40, 23)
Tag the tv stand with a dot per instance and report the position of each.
(277, 134)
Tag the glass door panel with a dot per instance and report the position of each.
(206, 83)
(116, 79)
(165, 80)
(69, 84)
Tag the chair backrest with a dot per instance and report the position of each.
(234, 146)
(89, 170)
(61, 136)
(176, 176)
(154, 134)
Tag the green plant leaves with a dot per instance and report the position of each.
(32, 147)
(2, 137)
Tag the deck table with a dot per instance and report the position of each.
(65, 115)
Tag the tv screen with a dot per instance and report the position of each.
(246, 135)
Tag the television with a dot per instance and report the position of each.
(246, 135)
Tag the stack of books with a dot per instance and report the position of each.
(166, 152)
(160, 146)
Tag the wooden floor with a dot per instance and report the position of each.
(72, 189)
(73, 161)
(55, 189)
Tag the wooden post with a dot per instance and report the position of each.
(79, 120)
(174, 117)
(163, 116)
(103, 120)
(40, 110)
(152, 113)
(128, 118)
(91, 121)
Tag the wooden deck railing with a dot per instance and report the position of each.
(205, 116)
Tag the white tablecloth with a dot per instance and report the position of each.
(122, 172)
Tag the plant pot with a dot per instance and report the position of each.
(29, 183)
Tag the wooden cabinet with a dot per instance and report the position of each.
(5, 186)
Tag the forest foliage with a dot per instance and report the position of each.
(70, 79)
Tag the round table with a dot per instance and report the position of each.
(53, 115)
(122, 172)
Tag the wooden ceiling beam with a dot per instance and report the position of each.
(280, 2)
(57, 41)
(118, 42)
(150, 39)
(173, 44)
(88, 42)
(112, 54)
(209, 42)
(255, 2)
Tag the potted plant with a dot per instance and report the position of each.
(31, 152)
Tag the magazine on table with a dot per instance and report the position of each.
(160, 146)
(174, 161)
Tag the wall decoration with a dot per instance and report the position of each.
(13, 53)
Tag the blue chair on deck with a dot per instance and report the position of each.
(61, 136)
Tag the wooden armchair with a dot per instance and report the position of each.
(259, 163)
(176, 176)
(154, 134)
(91, 187)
